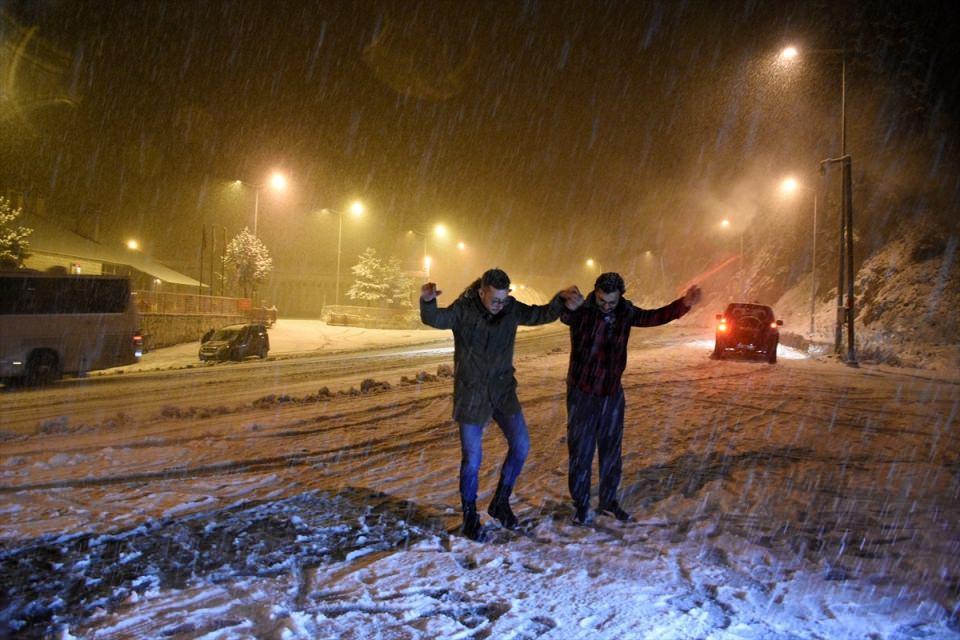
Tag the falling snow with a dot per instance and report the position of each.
(313, 494)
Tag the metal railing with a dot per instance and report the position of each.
(189, 303)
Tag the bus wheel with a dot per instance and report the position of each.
(42, 368)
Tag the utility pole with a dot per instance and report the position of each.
(813, 268)
(845, 310)
(223, 253)
(203, 246)
(848, 217)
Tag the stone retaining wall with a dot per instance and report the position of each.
(166, 329)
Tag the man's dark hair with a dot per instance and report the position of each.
(496, 278)
(610, 282)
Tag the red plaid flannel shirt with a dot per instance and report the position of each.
(598, 353)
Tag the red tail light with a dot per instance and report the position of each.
(722, 327)
(773, 325)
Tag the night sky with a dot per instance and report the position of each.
(540, 132)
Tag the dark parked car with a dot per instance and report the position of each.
(235, 342)
(749, 329)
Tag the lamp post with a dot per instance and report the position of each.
(426, 260)
(277, 182)
(845, 311)
(356, 209)
(790, 185)
(439, 231)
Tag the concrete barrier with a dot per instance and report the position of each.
(371, 317)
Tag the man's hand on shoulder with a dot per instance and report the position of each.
(429, 292)
(572, 298)
(692, 296)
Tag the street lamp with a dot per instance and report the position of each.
(277, 182)
(593, 265)
(789, 186)
(133, 245)
(439, 231)
(356, 210)
(845, 312)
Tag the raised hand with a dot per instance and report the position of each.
(429, 292)
(692, 295)
(572, 298)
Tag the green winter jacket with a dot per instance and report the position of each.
(483, 380)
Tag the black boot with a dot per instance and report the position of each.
(499, 508)
(582, 514)
(471, 521)
(614, 509)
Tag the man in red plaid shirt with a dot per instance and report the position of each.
(599, 331)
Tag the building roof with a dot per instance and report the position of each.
(50, 238)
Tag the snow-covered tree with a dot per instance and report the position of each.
(398, 284)
(13, 239)
(249, 261)
(379, 281)
(369, 284)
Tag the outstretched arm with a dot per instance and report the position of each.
(569, 298)
(430, 314)
(676, 309)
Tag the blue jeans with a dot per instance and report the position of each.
(514, 429)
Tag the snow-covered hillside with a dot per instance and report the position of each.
(908, 302)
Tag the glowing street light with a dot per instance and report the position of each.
(789, 53)
(789, 185)
(133, 245)
(356, 210)
(277, 182)
(461, 245)
(439, 231)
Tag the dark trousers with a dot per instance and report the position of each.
(514, 429)
(594, 423)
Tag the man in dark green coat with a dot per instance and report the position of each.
(484, 320)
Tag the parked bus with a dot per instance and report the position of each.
(51, 324)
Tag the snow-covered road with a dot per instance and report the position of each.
(804, 499)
